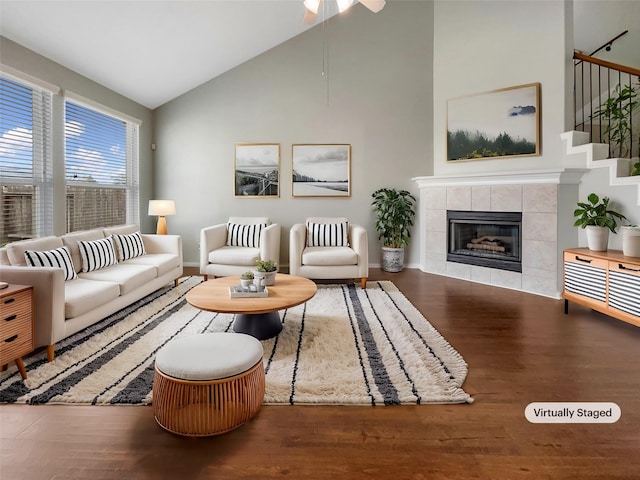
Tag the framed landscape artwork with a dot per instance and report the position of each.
(321, 170)
(497, 124)
(257, 170)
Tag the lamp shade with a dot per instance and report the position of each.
(162, 207)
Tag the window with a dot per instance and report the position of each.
(101, 168)
(26, 198)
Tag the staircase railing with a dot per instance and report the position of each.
(596, 83)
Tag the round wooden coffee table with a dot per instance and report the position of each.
(257, 317)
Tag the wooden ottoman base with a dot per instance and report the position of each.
(211, 407)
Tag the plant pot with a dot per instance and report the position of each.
(245, 282)
(269, 277)
(630, 241)
(597, 238)
(392, 259)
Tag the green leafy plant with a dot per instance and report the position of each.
(597, 213)
(618, 110)
(266, 266)
(635, 170)
(247, 275)
(395, 212)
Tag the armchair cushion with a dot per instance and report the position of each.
(327, 234)
(244, 235)
(244, 256)
(328, 256)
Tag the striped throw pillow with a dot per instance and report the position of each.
(327, 234)
(60, 258)
(97, 254)
(128, 246)
(244, 235)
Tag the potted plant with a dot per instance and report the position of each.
(598, 220)
(618, 111)
(246, 279)
(630, 240)
(395, 212)
(266, 269)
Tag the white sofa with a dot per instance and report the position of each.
(62, 308)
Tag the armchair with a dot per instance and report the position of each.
(329, 248)
(232, 248)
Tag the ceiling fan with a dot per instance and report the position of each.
(312, 6)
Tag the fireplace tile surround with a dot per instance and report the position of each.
(545, 198)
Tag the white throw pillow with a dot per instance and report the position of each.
(128, 246)
(327, 234)
(60, 258)
(244, 235)
(97, 254)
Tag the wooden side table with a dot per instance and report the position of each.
(16, 325)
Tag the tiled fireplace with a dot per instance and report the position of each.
(543, 201)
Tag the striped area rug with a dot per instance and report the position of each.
(345, 346)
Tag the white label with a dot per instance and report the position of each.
(572, 412)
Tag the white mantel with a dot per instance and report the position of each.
(546, 199)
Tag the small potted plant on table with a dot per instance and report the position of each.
(598, 220)
(266, 269)
(246, 279)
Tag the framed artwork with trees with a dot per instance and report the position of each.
(500, 123)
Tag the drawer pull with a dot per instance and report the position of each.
(622, 267)
(11, 317)
(9, 300)
(585, 260)
(11, 339)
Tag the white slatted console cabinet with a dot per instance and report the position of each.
(607, 282)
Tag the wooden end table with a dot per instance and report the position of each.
(16, 327)
(257, 317)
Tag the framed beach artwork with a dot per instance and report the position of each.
(257, 170)
(320, 170)
(501, 123)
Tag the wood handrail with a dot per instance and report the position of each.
(604, 63)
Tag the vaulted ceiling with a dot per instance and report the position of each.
(152, 51)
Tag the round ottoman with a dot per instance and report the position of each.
(208, 384)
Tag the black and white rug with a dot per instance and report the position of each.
(345, 346)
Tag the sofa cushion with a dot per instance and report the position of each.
(121, 229)
(71, 240)
(235, 256)
(329, 256)
(60, 258)
(162, 262)
(127, 275)
(15, 250)
(128, 246)
(81, 295)
(97, 254)
(327, 234)
(244, 235)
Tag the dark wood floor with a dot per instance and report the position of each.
(520, 349)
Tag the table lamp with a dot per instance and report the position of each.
(161, 208)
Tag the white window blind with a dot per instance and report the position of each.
(26, 198)
(101, 168)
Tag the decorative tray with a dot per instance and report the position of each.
(239, 291)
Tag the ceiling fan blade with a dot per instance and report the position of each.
(309, 17)
(374, 5)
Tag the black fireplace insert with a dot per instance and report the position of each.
(487, 239)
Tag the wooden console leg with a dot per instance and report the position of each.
(51, 350)
(566, 307)
(20, 364)
(363, 281)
